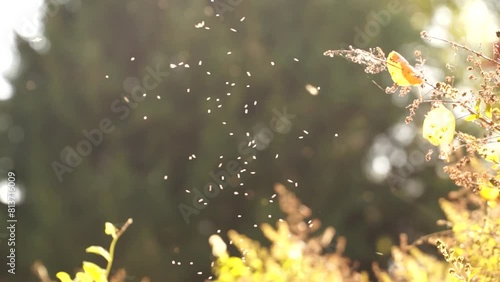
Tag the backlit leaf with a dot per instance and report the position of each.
(490, 152)
(439, 126)
(83, 277)
(100, 251)
(402, 73)
(64, 277)
(471, 118)
(488, 111)
(110, 229)
(94, 271)
(489, 193)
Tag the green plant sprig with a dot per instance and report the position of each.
(92, 272)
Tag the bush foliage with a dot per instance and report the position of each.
(470, 244)
(465, 127)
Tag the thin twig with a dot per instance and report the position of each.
(424, 34)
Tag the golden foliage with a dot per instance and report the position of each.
(476, 237)
(470, 248)
(294, 255)
(412, 265)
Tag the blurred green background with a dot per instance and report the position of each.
(356, 165)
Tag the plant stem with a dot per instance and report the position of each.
(113, 244)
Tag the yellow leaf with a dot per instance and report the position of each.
(489, 193)
(477, 107)
(110, 229)
(439, 126)
(488, 112)
(100, 251)
(402, 73)
(94, 271)
(490, 153)
(83, 277)
(471, 118)
(473, 274)
(64, 277)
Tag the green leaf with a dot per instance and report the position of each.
(100, 251)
